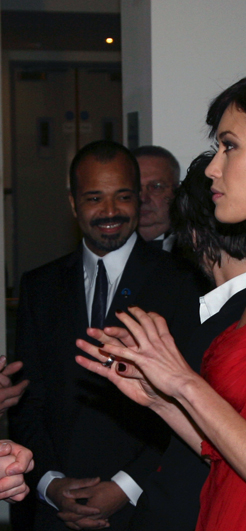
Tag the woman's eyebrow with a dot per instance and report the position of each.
(224, 133)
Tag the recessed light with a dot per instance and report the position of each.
(109, 40)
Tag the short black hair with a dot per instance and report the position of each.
(160, 152)
(235, 94)
(103, 151)
(192, 212)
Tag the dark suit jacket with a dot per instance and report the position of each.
(73, 420)
(170, 501)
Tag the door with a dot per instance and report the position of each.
(56, 109)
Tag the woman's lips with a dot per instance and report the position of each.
(216, 194)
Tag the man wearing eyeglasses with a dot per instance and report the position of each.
(160, 173)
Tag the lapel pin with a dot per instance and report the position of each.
(126, 292)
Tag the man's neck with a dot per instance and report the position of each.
(151, 233)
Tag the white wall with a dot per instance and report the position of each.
(136, 65)
(197, 49)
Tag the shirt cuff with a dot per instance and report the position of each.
(44, 483)
(128, 485)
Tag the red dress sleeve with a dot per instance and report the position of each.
(208, 450)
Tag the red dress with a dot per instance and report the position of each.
(223, 496)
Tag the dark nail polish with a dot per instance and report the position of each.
(121, 367)
(119, 310)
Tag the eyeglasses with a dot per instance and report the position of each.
(157, 187)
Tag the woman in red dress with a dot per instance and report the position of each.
(208, 411)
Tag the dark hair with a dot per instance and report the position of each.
(192, 212)
(158, 151)
(103, 151)
(235, 94)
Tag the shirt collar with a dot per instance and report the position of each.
(212, 302)
(160, 237)
(114, 262)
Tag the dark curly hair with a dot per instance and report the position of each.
(192, 218)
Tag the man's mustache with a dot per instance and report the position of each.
(106, 221)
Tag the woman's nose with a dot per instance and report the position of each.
(213, 170)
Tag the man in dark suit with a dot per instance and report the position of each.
(159, 175)
(77, 424)
(170, 501)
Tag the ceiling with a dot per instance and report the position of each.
(33, 30)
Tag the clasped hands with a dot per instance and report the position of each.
(102, 499)
(15, 460)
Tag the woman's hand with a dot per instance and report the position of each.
(113, 335)
(147, 367)
(126, 376)
(153, 360)
(154, 353)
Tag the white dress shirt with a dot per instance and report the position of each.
(168, 241)
(114, 263)
(212, 302)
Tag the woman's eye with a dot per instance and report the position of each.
(228, 146)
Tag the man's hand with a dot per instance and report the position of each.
(65, 493)
(10, 394)
(106, 496)
(15, 460)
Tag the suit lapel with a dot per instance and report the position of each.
(74, 293)
(141, 262)
(139, 265)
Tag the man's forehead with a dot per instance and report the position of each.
(152, 168)
(104, 191)
(156, 162)
(93, 167)
(104, 182)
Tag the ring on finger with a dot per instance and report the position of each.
(109, 362)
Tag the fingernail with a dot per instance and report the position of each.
(121, 367)
(3, 445)
(119, 310)
(131, 306)
(101, 345)
(2, 358)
